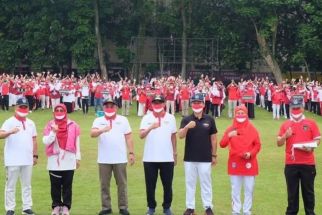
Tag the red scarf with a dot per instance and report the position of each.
(62, 133)
(111, 118)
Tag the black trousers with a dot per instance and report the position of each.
(61, 188)
(296, 175)
(85, 105)
(287, 108)
(69, 106)
(251, 110)
(151, 170)
(5, 102)
(214, 110)
(31, 102)
(207, 107)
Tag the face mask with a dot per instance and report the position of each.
(157, 108)
(59, 115)
(240, 119)
(109, 112)
(22, 112)
(197, 108)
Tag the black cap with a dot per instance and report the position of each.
(22, 102)
(109, 100)
(296, 101)
(198, 97)
(158, 98)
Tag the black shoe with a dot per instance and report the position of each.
(28, 212)
(10, 212)
(189, 212)
(105, 212)
(208, 211)
(124, 212)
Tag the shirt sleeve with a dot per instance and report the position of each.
(213, 129)
(96, 123)
(282, 130)
(6, 126)
(34, 130)
(127, 127)
(144, 123)
(174, 125)
(315, 131)
(183, 122)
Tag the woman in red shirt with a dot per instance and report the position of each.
(243, 142)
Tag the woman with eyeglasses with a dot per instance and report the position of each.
(61, 137)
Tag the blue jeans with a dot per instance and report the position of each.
(98, 104)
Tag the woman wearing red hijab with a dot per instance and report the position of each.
(61, 137)
(243, 142)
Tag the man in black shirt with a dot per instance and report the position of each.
(200, 154)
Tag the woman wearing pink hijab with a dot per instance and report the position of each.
(244, 144)
(61, 137)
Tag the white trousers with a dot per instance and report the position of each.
(13, 173)
(236, 184)
(47, 102)
(193, 170)
(54, 103)
(276, 111)
(141, 109)
(262, 101)
(43, 101)
(170, 104)
(231, 107)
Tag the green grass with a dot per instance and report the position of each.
(270, 191)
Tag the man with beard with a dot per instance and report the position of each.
(200, 155)
(300, 136)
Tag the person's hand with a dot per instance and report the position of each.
(14, 130)
(106, 129)
(77, 164)
(191, 124)
(214, 161)
(232, 133)
(131, 158)
(288, 132)
(35, 161)
(54, 128)
(247, 155)
(155, 125)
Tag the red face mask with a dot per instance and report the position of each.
(22, 110)
(157, 107)
(296, 111)
(196, 106)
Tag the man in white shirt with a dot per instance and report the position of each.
(160, 153)
(20, 154)
(114, 139)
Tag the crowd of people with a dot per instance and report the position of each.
(158, 100)
(46, 90)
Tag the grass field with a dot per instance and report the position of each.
(270, 190)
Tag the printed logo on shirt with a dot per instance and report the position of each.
(305, 127)
(206, 125)
(248, 165)
(234, 165)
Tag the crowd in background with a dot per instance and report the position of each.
(45, 90)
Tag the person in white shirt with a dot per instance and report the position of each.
(114, 139)
(20, 154)
(61, 137)
(85, 96)
(160, 153)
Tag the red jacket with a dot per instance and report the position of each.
(247, 140)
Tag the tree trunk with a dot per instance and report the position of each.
(307, 69)
(267, 55)
(100, 52)
(184, 40)
(161, 59)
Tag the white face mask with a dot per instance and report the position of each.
(60, 117)
(109, 114)
(240, 120)
(21, 114)
(158, 110)
(197, 110)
